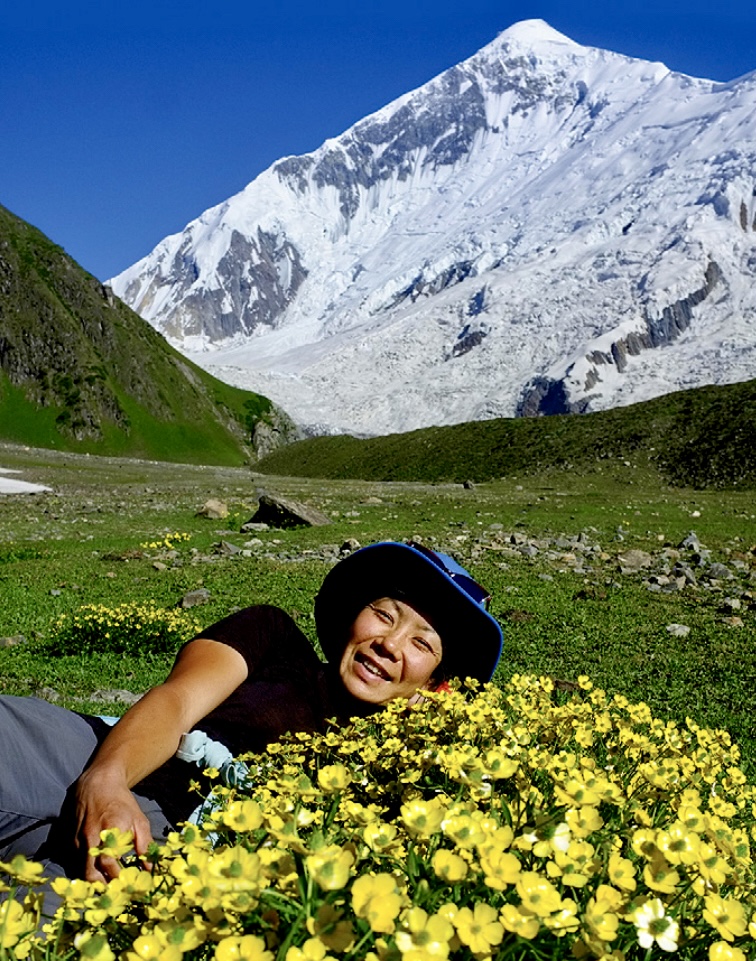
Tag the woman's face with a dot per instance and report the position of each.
(392, 651)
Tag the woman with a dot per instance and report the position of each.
(393, 620)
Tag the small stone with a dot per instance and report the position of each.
(678, 630)
(12, 640)
(734, 621)
(159, 566)
(690, 543)
(200, 595)
(634, 560)
(469, 485)
(350, 544)
(115, 696)
(227, 548)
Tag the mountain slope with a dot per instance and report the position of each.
(81, 371)
(545, 227)
(705, 437)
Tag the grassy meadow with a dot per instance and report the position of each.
(99, 538)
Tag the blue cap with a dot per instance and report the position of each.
(441, 588)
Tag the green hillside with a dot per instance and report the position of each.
(704, 438)
(79, 371)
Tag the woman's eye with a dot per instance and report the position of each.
(383, 614)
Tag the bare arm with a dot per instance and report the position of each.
(205, 674)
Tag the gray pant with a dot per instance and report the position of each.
(43, 750)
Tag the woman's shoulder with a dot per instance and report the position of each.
(260, 633)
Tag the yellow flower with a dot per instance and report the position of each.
(330, 867)
(333, 778)
(114, 843)
(601, 919)
(463, 830)
(93, 946)
(379, 835)
(721, 951)
(23, 871)
(448, 866)
(15, 923)
(423, 937)
(726, 915)
(538, 894)
(150, 947)
(242, 815)
(679, 844)
(621, 872)
(328, 925)
(313, 949)
(659, 876)
(422, 818)
(518, 922)
(583, 821)
(500, 868)
(376, 898)
(248, 947)
(479, 929)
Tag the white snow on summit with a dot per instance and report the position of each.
(544, 227)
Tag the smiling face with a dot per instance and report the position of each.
(392, 651)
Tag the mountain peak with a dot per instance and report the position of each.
(518, 235)
(532, 33)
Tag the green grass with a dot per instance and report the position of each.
(704, 437)
(79, 371)
(81, 545)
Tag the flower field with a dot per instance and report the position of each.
(521, 822)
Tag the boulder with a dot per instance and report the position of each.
(214, 510)
(284, 512)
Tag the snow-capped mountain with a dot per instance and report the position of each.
(544, 227)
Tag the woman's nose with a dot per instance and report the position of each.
(391, 642)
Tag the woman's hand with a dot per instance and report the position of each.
(204, 675)
(103, 802)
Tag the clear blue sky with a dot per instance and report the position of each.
(121, 121)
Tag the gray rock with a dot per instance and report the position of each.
(200, 595)
(634, 560)
(682, 570)
(720, 572)
(252, 528)
(115, 696)
(690, 543)
(12, 641)
(349, 545)
(283, 512)
(678, 630)
(227, 548)
(214, 510)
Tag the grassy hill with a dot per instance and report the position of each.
(704, 438)
(80, 371)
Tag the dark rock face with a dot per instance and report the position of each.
(545, 396)
(443, 120)
(283, 512)
(260, 277)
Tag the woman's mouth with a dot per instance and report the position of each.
(372, 667)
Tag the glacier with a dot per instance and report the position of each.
(543, 228)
